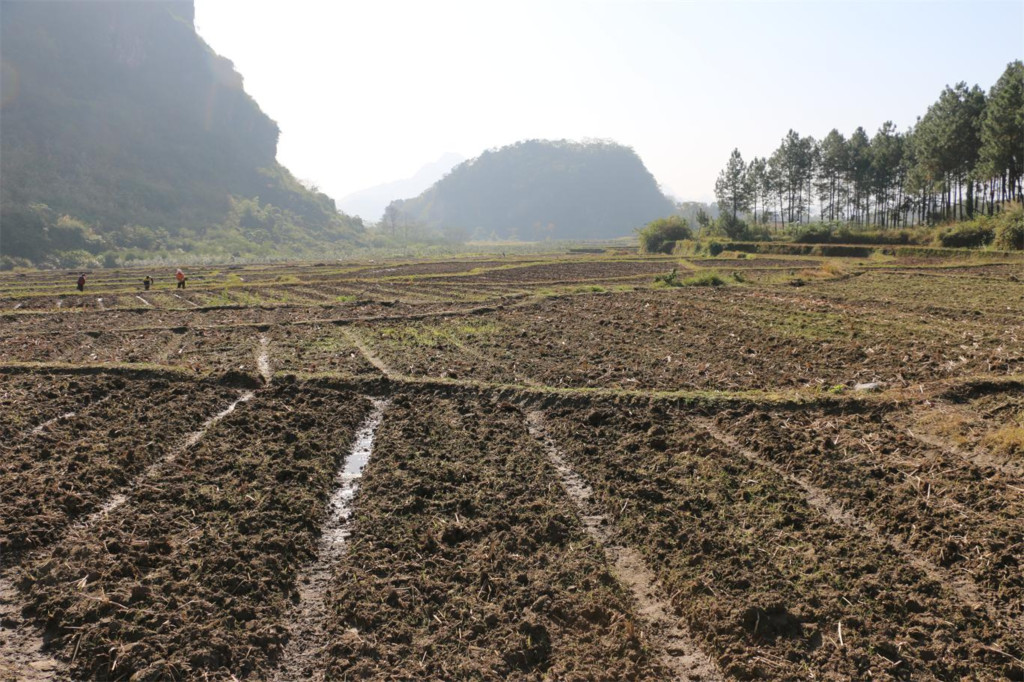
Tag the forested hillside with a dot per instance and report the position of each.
(541, 189)
(124, 133)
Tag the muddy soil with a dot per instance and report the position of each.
(318, 348)
(771, 585)
(467, 562)
(69, 468)
(987, 428)
(28, 401)
(191, 577)
(960, 515)
(847, 539)
(698, 340)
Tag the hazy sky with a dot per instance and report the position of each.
(368, 91)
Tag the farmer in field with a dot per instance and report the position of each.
(147, 282)
(180, 276)
(81, 282)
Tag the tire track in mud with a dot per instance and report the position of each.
(39, 428)
(48, 422)
(300, 660)
(182, 298)
(488, 360)
(964, 589)
(117, 499)
(22, 650)
(357, 340)
(682, 655)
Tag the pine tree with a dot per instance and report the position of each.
(1001, 157)
(731, 188)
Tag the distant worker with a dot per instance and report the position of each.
(81, 282)
(147, 283)
(180, 276)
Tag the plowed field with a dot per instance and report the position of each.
(529, 468)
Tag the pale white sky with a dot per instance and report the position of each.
(367, 91)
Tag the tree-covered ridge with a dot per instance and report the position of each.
(123, 130)
(964, 157)
(538, 189)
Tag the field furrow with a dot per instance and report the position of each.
(193, 575)
(771, 585)
(962, 517)
(467, 561)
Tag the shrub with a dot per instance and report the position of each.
(686, 247)
(1010, 229)
(833, 233)
(669, 280)
(965, 235)
(814, 234)
(715, 248)
(660, 236)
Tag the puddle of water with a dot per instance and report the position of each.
(310, 613)
(263, 360)
(335, 530)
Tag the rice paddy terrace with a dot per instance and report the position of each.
(531, 468)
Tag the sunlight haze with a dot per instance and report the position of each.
(367, 93)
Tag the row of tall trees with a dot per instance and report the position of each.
(964, 156)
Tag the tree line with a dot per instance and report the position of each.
(964, 157)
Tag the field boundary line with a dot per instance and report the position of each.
(550, 394)
(339, 321)
(817, 498)
(682, 656)
(147, 369)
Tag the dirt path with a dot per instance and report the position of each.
(818, 499)
(22, 655)
(301, 657)
(682, 655)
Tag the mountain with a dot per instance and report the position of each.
(123, 131)
(369, 203)
(540, 189)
